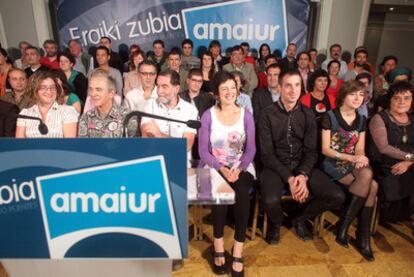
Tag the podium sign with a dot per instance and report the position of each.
(93, 198)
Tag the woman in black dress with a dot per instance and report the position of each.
(392, 148)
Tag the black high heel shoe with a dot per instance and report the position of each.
(219, 269)
(237, 273)
(237, 260)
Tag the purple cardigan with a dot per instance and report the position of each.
(204, 144)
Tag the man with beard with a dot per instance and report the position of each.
(359, 65)
(169, 104)
(51, 58)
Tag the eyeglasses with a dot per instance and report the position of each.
(402, 98)
(148, 74)
(45, 88)
(196, 81)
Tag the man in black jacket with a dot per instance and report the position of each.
(264, 97)
(289, 62)
(200, 99)
(287, 136)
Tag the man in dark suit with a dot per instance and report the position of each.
(8, 122)
(266, 96)
(289, 62)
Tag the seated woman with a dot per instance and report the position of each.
(343, 144)
(76, 80)
(70, 98)
(243, 100)
(317, 99)
(207, 67)
(392, 132)
(132, 79)
(335, 84)
(227, 143)
(48, 104)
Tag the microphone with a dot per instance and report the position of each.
(42, 127)
(195, 124)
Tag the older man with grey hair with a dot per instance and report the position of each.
(105, 120)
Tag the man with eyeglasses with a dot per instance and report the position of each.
(194, 95)
(200, 99)
(237, 63)
(136, 98)
(169, 104)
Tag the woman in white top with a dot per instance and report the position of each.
(47, 99)
(227, 143)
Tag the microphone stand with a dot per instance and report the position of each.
(42, 127)
(190, 123)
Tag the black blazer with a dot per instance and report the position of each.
(285, 65)
(260, 100)
(7, 123)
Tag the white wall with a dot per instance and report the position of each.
(343, 22)
(24, 20)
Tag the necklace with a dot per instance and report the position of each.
(403, 126)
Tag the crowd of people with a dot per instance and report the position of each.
(331, 135)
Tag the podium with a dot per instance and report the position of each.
(92, 207)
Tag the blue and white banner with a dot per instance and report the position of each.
(276, 22)
(89, 198)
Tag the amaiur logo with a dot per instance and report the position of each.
(131, 197)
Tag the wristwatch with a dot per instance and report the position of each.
(408, 157)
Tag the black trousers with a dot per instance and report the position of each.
(241, 209)
(324, 195)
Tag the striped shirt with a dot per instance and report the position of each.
(57, 116)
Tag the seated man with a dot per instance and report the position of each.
(237, 63)
(194, 95)
(136, 98)
(105, 120)
(287, 138)
(18, 94)
(169, 104)
(32, 55)
(200, 99)
(174, 63)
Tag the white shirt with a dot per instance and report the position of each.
(57, 116)
(182, 111)
(135, 101)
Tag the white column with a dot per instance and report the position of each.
(324, 25)
(42, 21)
(363, 23)
(3, 38)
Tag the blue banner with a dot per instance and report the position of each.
(93, 198)
(276, 22)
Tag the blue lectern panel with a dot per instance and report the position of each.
(119, 198)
